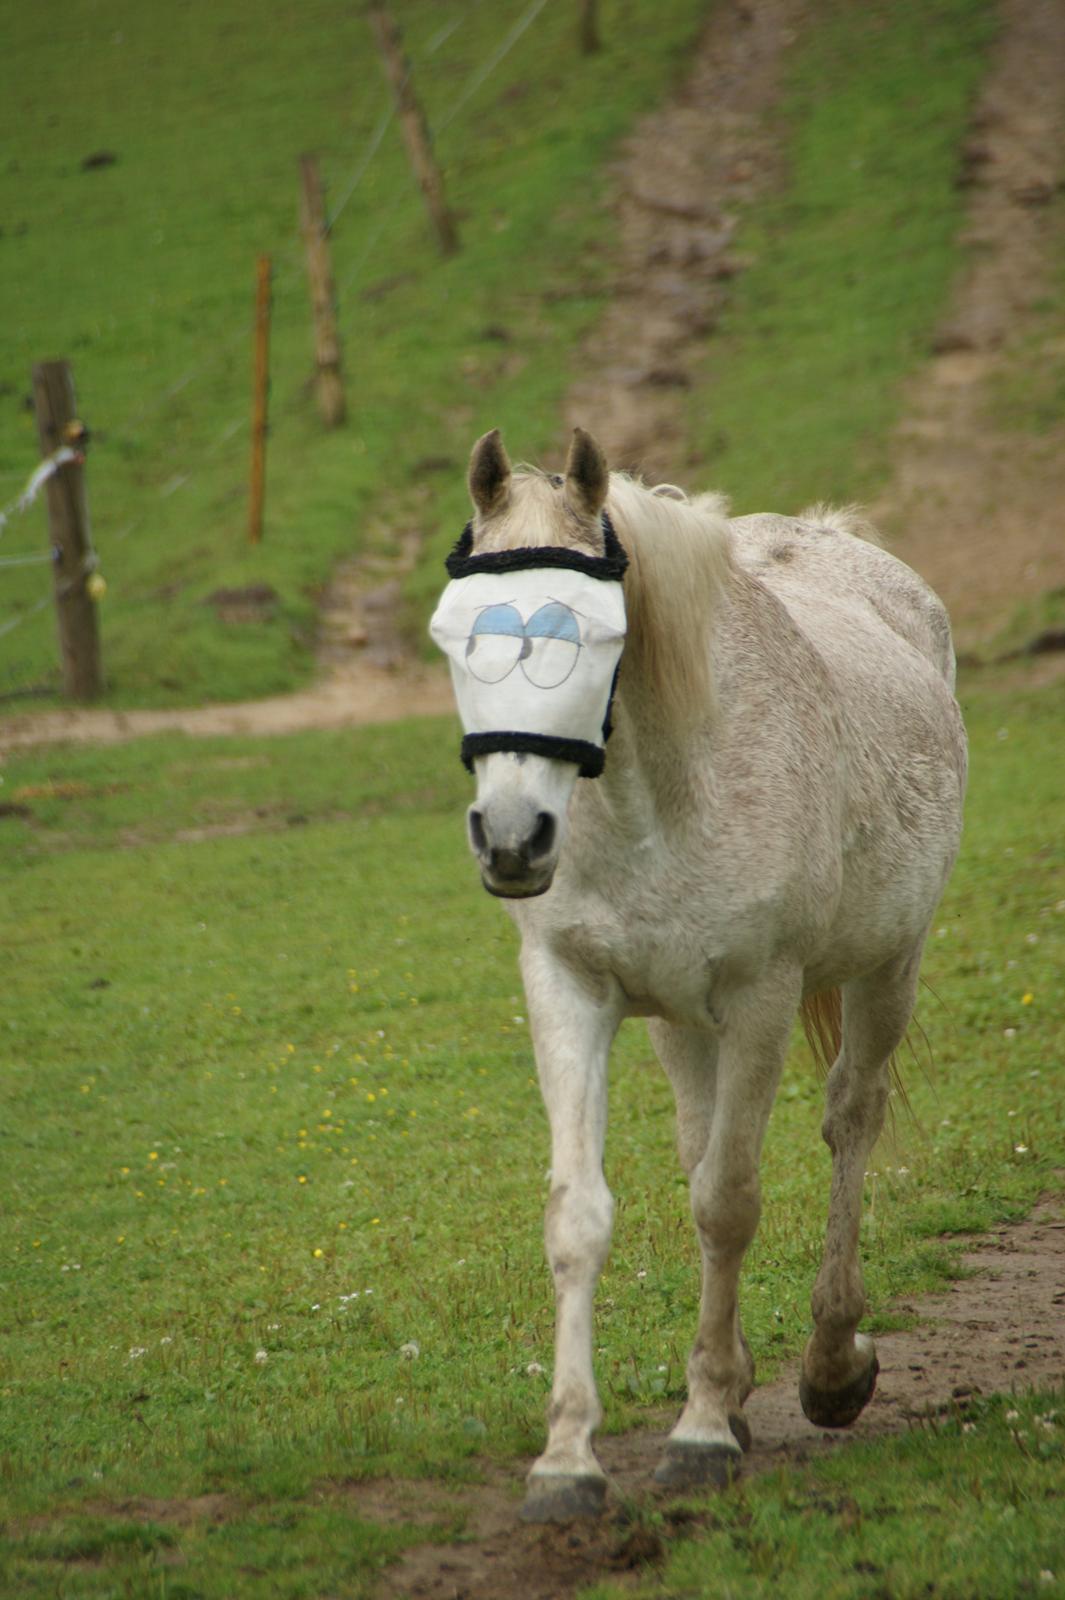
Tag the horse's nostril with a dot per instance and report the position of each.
(543, 838)
(478, 837)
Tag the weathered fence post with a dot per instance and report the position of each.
(68, 521)
(260, 399)
(415, 127)
(589, 26)
(330, 386)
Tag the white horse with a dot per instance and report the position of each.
(778, 812)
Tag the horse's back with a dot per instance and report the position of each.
(817, 565)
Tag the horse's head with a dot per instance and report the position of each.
(533, 624)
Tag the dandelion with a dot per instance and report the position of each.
(642, 1273)
(1027, 998)
(318, 1254)
(411, 1350)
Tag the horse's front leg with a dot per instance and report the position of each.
(706, 1444)
(572, 1032)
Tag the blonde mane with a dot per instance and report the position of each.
(679, 565)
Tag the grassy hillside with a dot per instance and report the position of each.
(142, 272)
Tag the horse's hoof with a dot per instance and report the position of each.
(690, 1466)
(554, 1497)
(741, 1431)
(838, 1408)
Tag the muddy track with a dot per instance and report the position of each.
(1003, 1328)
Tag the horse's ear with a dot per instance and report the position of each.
(489, 476)
(587, 478)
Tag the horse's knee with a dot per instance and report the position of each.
(726, 1210)
(577, 1227)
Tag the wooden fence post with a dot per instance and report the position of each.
(589, 27)
(259, 400)
(415, 128)
(68, 520)
(323, 295)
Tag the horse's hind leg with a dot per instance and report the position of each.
(839, 1365)
(705, 1445)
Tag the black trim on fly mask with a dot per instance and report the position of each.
(610, 565)
(588, 758)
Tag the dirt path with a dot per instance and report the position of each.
(1001, 1329)
(678, 180)
(975, 505)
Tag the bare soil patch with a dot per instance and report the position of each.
(679, 178)
(1001, 1327)
(973, 504)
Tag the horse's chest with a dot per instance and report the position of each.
(662, 967)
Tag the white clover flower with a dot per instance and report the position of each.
(533, 1370)
(411, 1350)
(137, 1351)
(261, 1358)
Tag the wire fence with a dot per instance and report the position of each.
(133, 428)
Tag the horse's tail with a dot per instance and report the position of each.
(822, 1023)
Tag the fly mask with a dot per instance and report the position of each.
(533, 637)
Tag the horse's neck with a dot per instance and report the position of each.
(655, 777)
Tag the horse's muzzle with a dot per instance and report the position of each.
(517, 862)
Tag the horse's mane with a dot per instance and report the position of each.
(679, 564)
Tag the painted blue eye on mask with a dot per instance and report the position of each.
(546, 647)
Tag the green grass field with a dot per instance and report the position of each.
(268, 1089)
(268, 1106)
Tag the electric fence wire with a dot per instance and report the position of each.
(477, 79)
